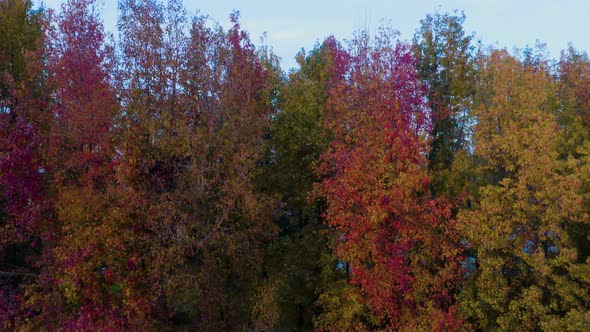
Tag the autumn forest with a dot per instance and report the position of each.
(176, 178)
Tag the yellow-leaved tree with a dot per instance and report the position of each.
(526, 274)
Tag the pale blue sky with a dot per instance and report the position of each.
(292, 25)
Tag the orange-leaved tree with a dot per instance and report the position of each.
(196, 104)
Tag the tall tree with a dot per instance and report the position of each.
(400, 244)
(305, 288)
(296, 139)
(196, 106)
(24, 226)
(527, 274)
(84, 268)
(573, 114)
(446, 64)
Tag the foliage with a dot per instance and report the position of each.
(178, 179)
(527, 270)
(400, 244)
(195, 111)
(295, 141)
(446, 63)
(24, 222)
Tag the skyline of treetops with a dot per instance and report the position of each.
(177, 178)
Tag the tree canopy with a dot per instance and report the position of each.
(176, 178)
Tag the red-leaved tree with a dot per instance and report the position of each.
(400, 244)
(87, 267)
(25, 225)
